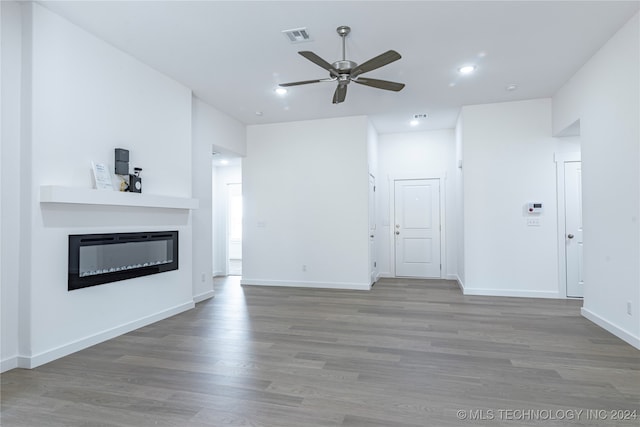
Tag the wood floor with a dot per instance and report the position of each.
(407, 353)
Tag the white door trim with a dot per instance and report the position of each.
(392, 195)
(373, 255)
(560, 160)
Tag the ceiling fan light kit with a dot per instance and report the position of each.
(345, 71)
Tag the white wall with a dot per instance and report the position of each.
(83, 99)
(211, 128)
(416, 155)
(372, 150)
(306, 203)
(223, 132)
(222, 177)
(604, 95)
(10, 159)
(459, 205)
(508, 157)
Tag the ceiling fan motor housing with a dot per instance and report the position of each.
(344, 65)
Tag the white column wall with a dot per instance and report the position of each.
(508, 161)
(605, 96)
(306, 204)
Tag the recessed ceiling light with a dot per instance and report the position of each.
(511, 87)
(414, 122)
(467, 69)
(259, 113)
(281, 91)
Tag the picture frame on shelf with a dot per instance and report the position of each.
(102, 176)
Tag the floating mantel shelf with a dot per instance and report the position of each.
(90, 196)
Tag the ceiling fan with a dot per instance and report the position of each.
(345, 71)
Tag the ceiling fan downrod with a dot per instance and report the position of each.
(344, 65)
(344, 31)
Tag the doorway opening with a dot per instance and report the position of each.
(227, 214)
(234, 229)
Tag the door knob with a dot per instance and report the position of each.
(397, 232)
(371, 236)
(571, 236)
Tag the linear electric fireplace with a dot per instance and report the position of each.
(95, 259)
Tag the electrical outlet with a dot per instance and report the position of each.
(203, 277)
(629, 308)
(304, 267)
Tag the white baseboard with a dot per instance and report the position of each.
(508, 293)
(72, 347)
(460, 284)
(295, 284)
(610, 327)
(388, 275)
(9, 364)
(203, 296)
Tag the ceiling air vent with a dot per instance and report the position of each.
(297, 35)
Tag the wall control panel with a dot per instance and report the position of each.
(534, 207)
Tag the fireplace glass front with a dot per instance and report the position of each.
(95, 259)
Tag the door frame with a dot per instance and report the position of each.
(392, 216)
(561, 159)
(374, 273)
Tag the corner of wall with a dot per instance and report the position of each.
(604, 94)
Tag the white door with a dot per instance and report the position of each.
(573, 228)
(373, 265)
(417, 228)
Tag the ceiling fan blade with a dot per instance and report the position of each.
(377, 62)
(340, 94)
(304, 82)
(380, 84)
(319, 61)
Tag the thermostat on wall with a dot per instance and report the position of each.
(534, 207)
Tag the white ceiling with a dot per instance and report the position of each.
(232, 54)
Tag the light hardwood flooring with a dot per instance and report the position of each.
(407, 353)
